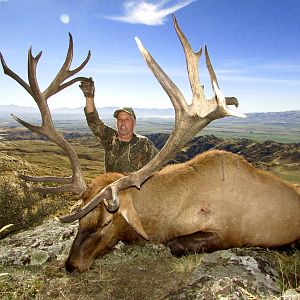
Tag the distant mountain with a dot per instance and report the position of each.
(292, 116)
(107, 112)
(14, 109)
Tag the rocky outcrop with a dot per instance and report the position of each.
(39, 245)
(250, 273)
(232, 274)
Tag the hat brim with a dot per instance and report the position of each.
(130, 112)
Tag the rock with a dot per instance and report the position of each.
(291, 294)
(232, 274)
(51, 240)
(38, 257)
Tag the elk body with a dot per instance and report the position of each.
(215, 201)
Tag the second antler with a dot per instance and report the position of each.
(189, 120)
(76, 182)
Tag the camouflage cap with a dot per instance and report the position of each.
(128, 110)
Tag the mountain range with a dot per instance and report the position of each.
(107, 112)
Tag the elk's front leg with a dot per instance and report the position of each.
(197, 242)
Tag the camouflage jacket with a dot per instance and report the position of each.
(120, 156)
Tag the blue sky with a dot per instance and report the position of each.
(254, 46)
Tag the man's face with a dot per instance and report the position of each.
(125, 126)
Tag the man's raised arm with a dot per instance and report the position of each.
(88, 89)
(92, 117)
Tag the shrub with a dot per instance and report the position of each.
(23, 208)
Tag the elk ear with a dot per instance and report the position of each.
(130, 214)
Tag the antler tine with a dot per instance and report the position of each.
(192, 62)
(72, 188)
(222, 101)
(14, 76)
(167, 84)
(32, 64)
(213, 78)
(65, 72)
(210, 68)
(46, 178)
(34, 128)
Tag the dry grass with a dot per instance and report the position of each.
(187, 263)
(18, 204)
(131, 273)
(289, 266)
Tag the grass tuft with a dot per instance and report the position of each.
(289, 266)
(186, 263)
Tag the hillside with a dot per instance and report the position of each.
(252, 151)
(283, 159)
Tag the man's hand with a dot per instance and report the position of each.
(88, 88)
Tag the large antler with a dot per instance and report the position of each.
(189, 120)
(74, 183)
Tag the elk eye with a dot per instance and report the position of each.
(106, 223)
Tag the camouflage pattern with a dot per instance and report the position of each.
(88, 88)
(120, 156)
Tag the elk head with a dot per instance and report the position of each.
(101, 201)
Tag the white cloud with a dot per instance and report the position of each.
(149, 12)
(64, 18)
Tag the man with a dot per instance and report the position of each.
(125, 151)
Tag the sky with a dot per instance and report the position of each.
(254, 46)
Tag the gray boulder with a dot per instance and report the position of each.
(232, 274)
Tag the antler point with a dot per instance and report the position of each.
(139, 44)
(70, 36)
(137, 40)
(15, 117)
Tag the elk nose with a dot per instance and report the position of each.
(69, 267)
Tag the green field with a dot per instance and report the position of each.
(282, 133)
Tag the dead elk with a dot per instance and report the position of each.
(214, 201)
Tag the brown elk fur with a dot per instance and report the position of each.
(215, 201)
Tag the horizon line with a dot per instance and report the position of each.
(137, 108)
